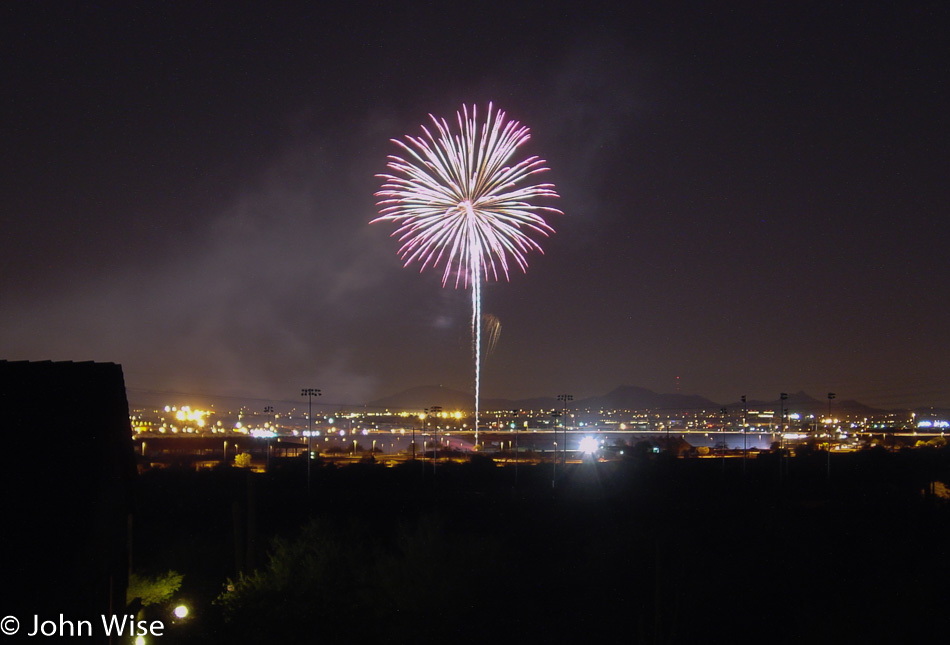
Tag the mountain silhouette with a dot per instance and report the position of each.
(625, 397)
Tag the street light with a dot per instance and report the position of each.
(309, 392)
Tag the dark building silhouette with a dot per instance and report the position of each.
(67, 474)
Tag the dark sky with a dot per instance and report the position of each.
(755, 198)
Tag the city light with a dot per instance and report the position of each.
(589, 445)
(603, 432)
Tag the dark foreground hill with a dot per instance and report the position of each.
(648, 550)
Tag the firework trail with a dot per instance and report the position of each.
(493, 329)
(455, 199)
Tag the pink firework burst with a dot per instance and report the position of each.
(456, 197)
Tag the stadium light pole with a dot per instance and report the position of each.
(781, 418)
(269, 410)
(722, 435)
(309, 392)
(667, 434)
(564, 399)
(437, 411)
(745, 431)
(514, 426)
(831, 395)
(782, 464)
(422, 423)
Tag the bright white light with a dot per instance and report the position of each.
(181, 611)
(589, 445)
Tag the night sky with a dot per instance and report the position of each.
(755, 198)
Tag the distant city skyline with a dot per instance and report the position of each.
(755, 197)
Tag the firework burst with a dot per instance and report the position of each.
(457, 199)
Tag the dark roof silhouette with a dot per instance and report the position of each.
(67, 474)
